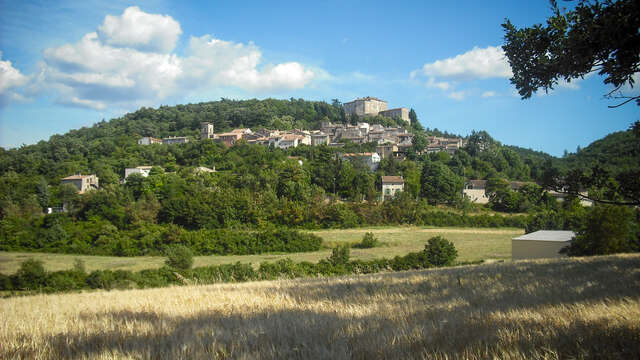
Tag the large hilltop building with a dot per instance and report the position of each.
(371, 106)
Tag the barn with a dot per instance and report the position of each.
(540, 244)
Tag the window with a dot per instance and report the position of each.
(388, 192)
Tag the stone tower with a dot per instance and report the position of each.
(206, 130)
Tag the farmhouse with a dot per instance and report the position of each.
(540, 244)
(475, 191)
(391, 185)
(83, 183)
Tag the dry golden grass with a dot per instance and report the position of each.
(570, 308)
(472, 244)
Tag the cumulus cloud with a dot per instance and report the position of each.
(477, 63)
(130, 60)
(139, 30)
(10, 80)
(227, 63)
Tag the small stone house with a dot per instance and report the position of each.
(391, 185)
(83, 183)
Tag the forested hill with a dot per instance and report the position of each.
(617, 152)
(184, 120)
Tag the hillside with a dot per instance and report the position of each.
(570, 308)
(616, 153)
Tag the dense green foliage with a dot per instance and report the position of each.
(179, 257)
(607, 230)
(32, 276)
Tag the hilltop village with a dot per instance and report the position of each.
(391, 141)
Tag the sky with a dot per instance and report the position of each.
(68, 64)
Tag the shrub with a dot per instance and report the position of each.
(440, 251)
(101, 279)
(31, 275)
(5, 282)
(368, 241)
(179, 257)
(339, 255)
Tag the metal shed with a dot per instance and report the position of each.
(540, 244)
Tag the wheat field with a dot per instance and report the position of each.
(550, 309)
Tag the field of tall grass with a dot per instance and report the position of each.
(547, 309)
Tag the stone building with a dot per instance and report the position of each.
(365, 106)
(175, 140)
(320, 138)
(391, 185)
(83, 183)
(386, 150)
(148, 140)
(402, 113)
(206, 130)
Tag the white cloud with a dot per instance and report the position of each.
(477, 63)
(129, 65)
(457, 95)
(139, 30)
(442, 85)
(10, 79)
(228, 63)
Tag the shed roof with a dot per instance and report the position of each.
(548, 235)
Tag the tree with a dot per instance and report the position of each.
(413, 121)
(438, 184)
(608, 230)
(595, 36)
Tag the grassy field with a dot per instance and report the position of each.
(472, 244)
(553, 309)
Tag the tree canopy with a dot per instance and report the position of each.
(596, 35)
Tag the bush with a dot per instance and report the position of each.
(368, 241)
(30, 276)
(339, 255)
(101, 279)
(179, 257)
(440, 252)
(5, 282)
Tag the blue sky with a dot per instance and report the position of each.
(74, 63)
